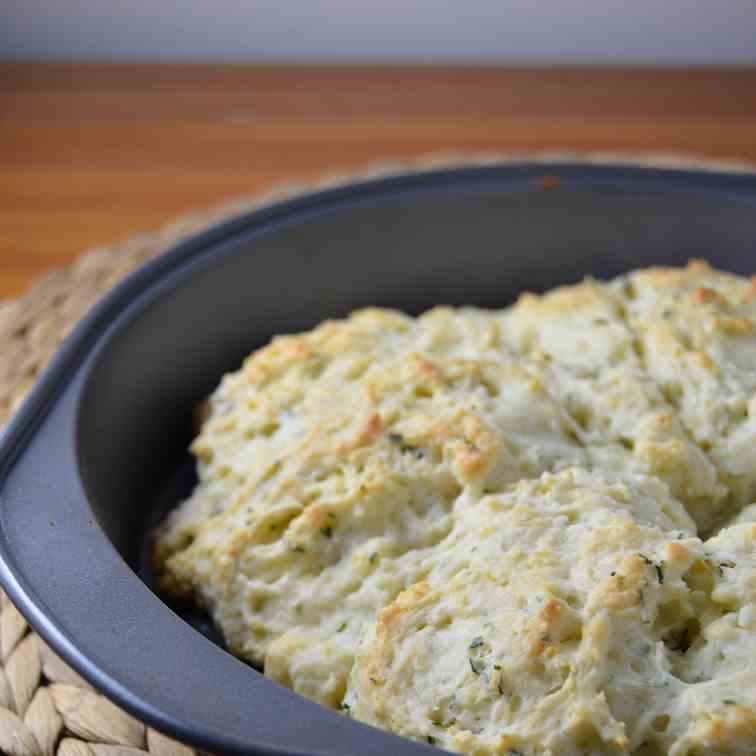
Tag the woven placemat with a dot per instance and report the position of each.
(45, 707)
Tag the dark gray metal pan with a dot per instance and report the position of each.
(96, 447)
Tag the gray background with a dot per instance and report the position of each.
(563, 31)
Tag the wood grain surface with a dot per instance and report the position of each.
(90, 154)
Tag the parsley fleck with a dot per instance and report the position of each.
(342, 627)
(657, 567)
(476, 642)
(728, 702)
(373, 557)
(476, 666)
(345, 707)
(404, 447)
(431, 739)
(659, 572)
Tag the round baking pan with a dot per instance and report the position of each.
(100, 445)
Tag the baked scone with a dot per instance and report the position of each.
(376, 466)
(696, 329)
(342, 454)
(590, 632)
(582, 343)
(291, 387)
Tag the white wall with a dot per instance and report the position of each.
(669, 31)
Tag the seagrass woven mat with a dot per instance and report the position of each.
(45, 707)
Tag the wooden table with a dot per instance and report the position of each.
(92, 153)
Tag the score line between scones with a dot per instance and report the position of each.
(483, 528)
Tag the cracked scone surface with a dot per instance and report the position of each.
(372, 468)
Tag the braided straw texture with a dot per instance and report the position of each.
(45, 707)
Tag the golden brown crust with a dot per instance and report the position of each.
(389, 482)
